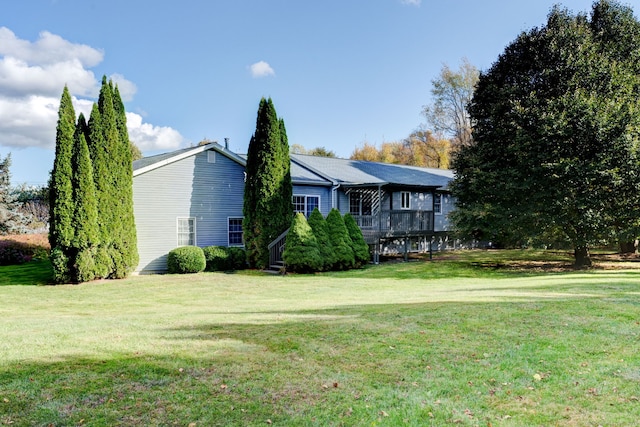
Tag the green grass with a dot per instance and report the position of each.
(37, 272)
(466, 340)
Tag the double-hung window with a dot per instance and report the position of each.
(405, 200)
(186, 231)
(235, 232)
(437, 203)
(305, 204)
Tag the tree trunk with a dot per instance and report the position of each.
(582, 257)
(630, 247)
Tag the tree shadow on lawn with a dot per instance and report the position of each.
(353, 364)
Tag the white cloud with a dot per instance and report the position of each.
(261, 69)
(148, 137)
(32, 76)
(411, 2)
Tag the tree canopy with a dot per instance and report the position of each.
(555, 135)
(452, 91)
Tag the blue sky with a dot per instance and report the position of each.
(340, 72)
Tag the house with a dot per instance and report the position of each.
(194, 196)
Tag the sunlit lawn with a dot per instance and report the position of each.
(466, 340)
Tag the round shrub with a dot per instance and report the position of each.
(237, 258)
(222, 258)
(186, 259)
(217, 258)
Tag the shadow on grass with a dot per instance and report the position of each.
(36, 272)
(360, 365)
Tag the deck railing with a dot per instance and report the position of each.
(396, 221)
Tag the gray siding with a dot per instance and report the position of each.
(323, 192)
(164, 194)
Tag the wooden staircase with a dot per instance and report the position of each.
(276, 248)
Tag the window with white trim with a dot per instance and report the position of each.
(305, 204)
(437, 203)
(236, 237)
(211, 156)
(405, 197)
(186, 231)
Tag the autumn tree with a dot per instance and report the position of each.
(452, 91)
(268, 189)
(556, 134)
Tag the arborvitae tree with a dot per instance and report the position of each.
(61, 191)
(61, 204)
(99, 155)
(319, 227)
(340, 241)
(127, 240)
(358, 244)
(85, 214)
(267, 198)
(301, 253)
(111, 157)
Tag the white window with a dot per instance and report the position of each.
(437, 203)
(211, 156)
(235, 232)
(405, 200)
(186, 231)
(305, 204)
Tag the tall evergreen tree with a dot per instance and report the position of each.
(85, 214)
(111, 157)
(98, 154)
(267, 198)
(61, 191)
(127, 240)
(61, 204)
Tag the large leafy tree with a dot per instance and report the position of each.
(268, 189)
(452, 91)
(556, 134)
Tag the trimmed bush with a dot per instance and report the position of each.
(358, 244)
(222, 258)
(186, 259)
(238, 258)
(60, 265)
(340, 240)
(319, 227)
(301, 253)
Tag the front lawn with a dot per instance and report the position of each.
(492, 345)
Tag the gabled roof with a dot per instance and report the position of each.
(325, 171)
(147, 164)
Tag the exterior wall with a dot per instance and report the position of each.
(442, 222)
(168, 192)
(323, 192)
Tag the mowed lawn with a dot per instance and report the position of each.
(471, 339)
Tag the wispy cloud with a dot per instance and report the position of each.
(261, 69)
(411, 2)
(32, 76)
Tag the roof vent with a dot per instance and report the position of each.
(226, 143)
